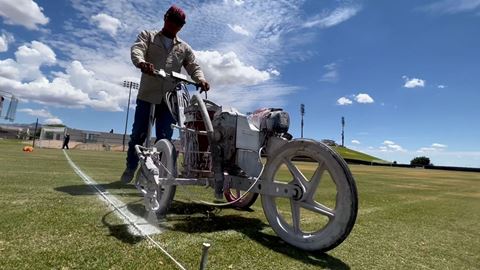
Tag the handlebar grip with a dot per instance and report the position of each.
(137, 149)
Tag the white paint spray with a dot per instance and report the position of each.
(136, 225)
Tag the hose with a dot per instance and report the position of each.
(247, 191)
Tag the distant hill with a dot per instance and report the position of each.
(352, 155)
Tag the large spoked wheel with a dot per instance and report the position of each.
(244, 203)
(324, 214)
(166, 164)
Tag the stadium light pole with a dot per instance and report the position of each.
(343, 131)
(129, 85)
(302, 112)
(12, 107)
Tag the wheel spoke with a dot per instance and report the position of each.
(318, 208)
(313, 184)
(295, 215)
(297, 174)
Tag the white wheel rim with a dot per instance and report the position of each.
(338, 217)
(165, 149)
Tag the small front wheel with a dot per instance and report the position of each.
(323, 215)
(166, 164)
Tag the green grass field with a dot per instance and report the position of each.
(408, 219)
(352, 154)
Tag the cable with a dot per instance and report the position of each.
(246, 192)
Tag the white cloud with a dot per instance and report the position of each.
(452, 6)
(396, 147)
(274, 72)
(234, 63)
(413, 82)
(331, 74)
(228, 69)
(50, 119)
(101, 95)
(433, 148)
(363, 98)
(53, 121)
(9, 69)
(22, 12)
(333, 18)
(5, 39)
(441, 158)
(107, 23)
(239, 85)
(37, 113)
(441, 86)
(389, 146)
(77, 87)
(439, 145)
(29, 59)
(253, 97)
(355, 141)
(239, 30)
(425, 149)
(3, 44)
(235, 2)
(245, 61)
(344, 101)
(36, 53)
(360, 98)
(270, 23)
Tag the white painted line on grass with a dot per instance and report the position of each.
(140, 224)
(123, 212)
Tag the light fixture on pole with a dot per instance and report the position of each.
(343, 131)
(12, 107)
(302, 112)
(129, 85)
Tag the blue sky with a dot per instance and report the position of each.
(404, 74)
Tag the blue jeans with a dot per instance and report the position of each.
(163, 128)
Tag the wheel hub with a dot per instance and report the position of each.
(298, 192)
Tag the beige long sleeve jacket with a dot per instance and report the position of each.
(149, 48)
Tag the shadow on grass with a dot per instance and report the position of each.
(252, 228)
(177, 211)
(121, 231)
(182, 210)
(76, 190)
(199, 218)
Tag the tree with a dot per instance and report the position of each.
(420, 161)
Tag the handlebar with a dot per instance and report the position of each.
(179, 77)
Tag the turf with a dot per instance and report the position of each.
(408, 219)
(355, 155)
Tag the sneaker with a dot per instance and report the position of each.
(127, 176)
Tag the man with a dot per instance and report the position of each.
(154, 50)
(1, 104)
(66, 140)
